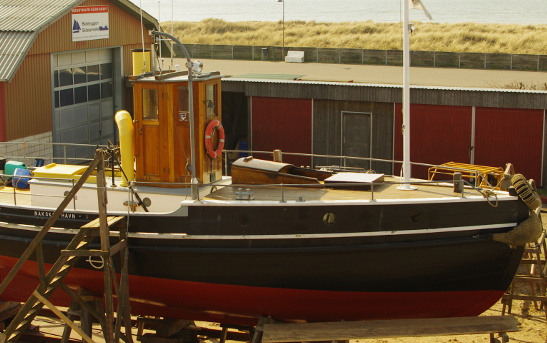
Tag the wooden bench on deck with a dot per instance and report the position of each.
(339, 331)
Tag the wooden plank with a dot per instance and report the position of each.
(171, 75)
(293, 332)
(90, 252)
(116, 248)
(64, 318)
(542, 298)
(527, 278)
(94, 224)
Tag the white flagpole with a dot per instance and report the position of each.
(406, 97)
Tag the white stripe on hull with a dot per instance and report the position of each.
(152, 235)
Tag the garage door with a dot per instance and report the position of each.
(83, 100)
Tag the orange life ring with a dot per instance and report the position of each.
(214, 125)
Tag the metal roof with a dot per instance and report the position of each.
(242, 78)
(13, 48)
(32, 15)
(22, 20)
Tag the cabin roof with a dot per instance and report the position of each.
(177, 77)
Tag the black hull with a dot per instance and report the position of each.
(300, 219)
(435, 252)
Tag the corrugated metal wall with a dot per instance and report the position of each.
(28, 96)
(510, 135)
(285, 124)
(438, 134)
(28, 105)
(442, 134)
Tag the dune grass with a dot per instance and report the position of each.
(461, 37)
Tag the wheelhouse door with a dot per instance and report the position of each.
(148, 108)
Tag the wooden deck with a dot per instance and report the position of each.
(383, 191)
(10, 195)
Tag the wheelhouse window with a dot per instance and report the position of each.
(211, 100)
(150, 104)
(184, 111)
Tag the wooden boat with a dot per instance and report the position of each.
(273, 239)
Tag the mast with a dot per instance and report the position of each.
(406, 98)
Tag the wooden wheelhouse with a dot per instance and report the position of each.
(162, 128)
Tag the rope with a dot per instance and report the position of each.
(529, 231)
(142, 37)
(487, 194)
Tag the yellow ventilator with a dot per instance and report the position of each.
(126, 131)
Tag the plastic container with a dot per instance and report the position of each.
(12, 165)
(21, 182)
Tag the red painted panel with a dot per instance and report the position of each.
(510, 136)
(438, 134)
(280, 123)
(2, 111)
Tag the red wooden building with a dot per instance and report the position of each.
(483, 126)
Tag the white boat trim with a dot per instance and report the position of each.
(153, 235)
(368, 202)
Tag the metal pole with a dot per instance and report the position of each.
(283, 23)
(406, 97)
(283, 48)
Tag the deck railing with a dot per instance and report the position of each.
(33, 153)
(243, 192)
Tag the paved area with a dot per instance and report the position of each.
(372, 74)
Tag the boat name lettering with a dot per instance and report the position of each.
(49, 214)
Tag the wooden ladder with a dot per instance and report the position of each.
(78, 247)
(534, 265)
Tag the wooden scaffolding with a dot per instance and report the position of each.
(533, 274)
(77, 248)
